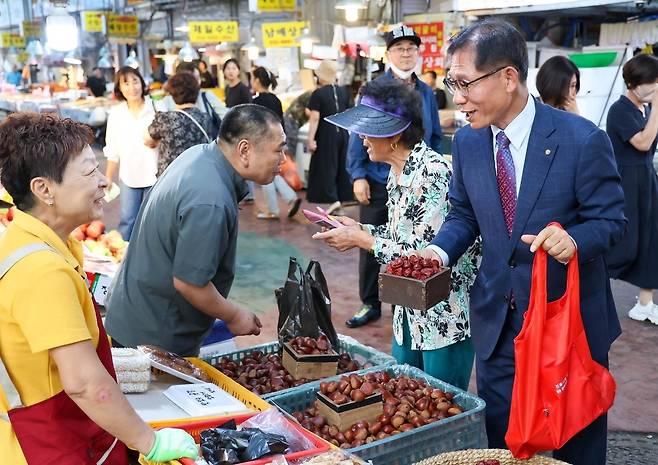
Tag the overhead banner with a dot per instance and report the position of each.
(31, 29)
(283, 34)
(11, 39)
(209, 32)
(276, 5)
(122, 26)
(92, 21)
(431, 45)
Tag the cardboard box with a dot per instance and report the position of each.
(414, 293)
(309, 366)
(345, 415)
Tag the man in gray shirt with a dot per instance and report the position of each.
(180, 264)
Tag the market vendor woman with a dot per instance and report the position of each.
(59, 400)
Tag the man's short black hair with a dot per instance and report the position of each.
(186, 67)
(431, 73)
(496, 43)
(247, 121)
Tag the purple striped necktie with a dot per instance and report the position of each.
(506, 178)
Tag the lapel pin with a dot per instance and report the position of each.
(547, 152)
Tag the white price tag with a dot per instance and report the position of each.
(101, 285)
(203, 399)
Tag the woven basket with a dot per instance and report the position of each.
(472, 456)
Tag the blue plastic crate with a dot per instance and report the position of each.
(463, 431)
(359, 352)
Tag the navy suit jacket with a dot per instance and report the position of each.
(569, 176)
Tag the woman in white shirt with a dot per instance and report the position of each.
(125, 147)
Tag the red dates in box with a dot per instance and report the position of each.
(413, 267)
(414, 282)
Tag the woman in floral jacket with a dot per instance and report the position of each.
(389, 119)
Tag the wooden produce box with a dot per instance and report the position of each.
(309, 366)
(414, 293)
(345, 415)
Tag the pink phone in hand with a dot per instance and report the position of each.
(322, 219)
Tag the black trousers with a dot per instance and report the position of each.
(495, 378)
(376, 214)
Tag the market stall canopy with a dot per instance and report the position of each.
(565, 7)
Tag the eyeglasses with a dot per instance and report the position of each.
(462, 86)
(404, 50)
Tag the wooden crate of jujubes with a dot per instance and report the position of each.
(414, 282)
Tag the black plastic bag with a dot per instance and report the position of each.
(262, 444)
(304, 304)
(220, 446)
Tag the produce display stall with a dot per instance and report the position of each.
(70, 104)
(420, 416)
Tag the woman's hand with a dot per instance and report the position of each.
(346, 220)
(312, 145)
(571, 106)
(346, 238)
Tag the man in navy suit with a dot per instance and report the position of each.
(519, 166)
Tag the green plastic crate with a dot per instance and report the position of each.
(463, 431)
(359, 352)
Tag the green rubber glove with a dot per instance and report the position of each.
(172, 444)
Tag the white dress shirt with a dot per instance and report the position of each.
(124, 144)
(518, 133)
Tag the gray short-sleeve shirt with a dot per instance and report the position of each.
(187, 228)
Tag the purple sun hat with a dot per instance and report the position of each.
(369, 118)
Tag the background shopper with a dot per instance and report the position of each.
(558, 83)
(125, 147)
(328, 181)
(263, 81)
(184, 127)
(633, 129)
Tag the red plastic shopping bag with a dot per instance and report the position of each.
(558, 388)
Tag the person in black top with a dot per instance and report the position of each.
(429, 77)
(236, 92)
(328, 181)
(262, 81)
(96, 82)
(207, 80)
(633, 126)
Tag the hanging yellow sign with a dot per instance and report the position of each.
(208, 32)
(282, 34)
(12, 39)
(122, 26)
(276, 5)
(92, 21)
(31, 29)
